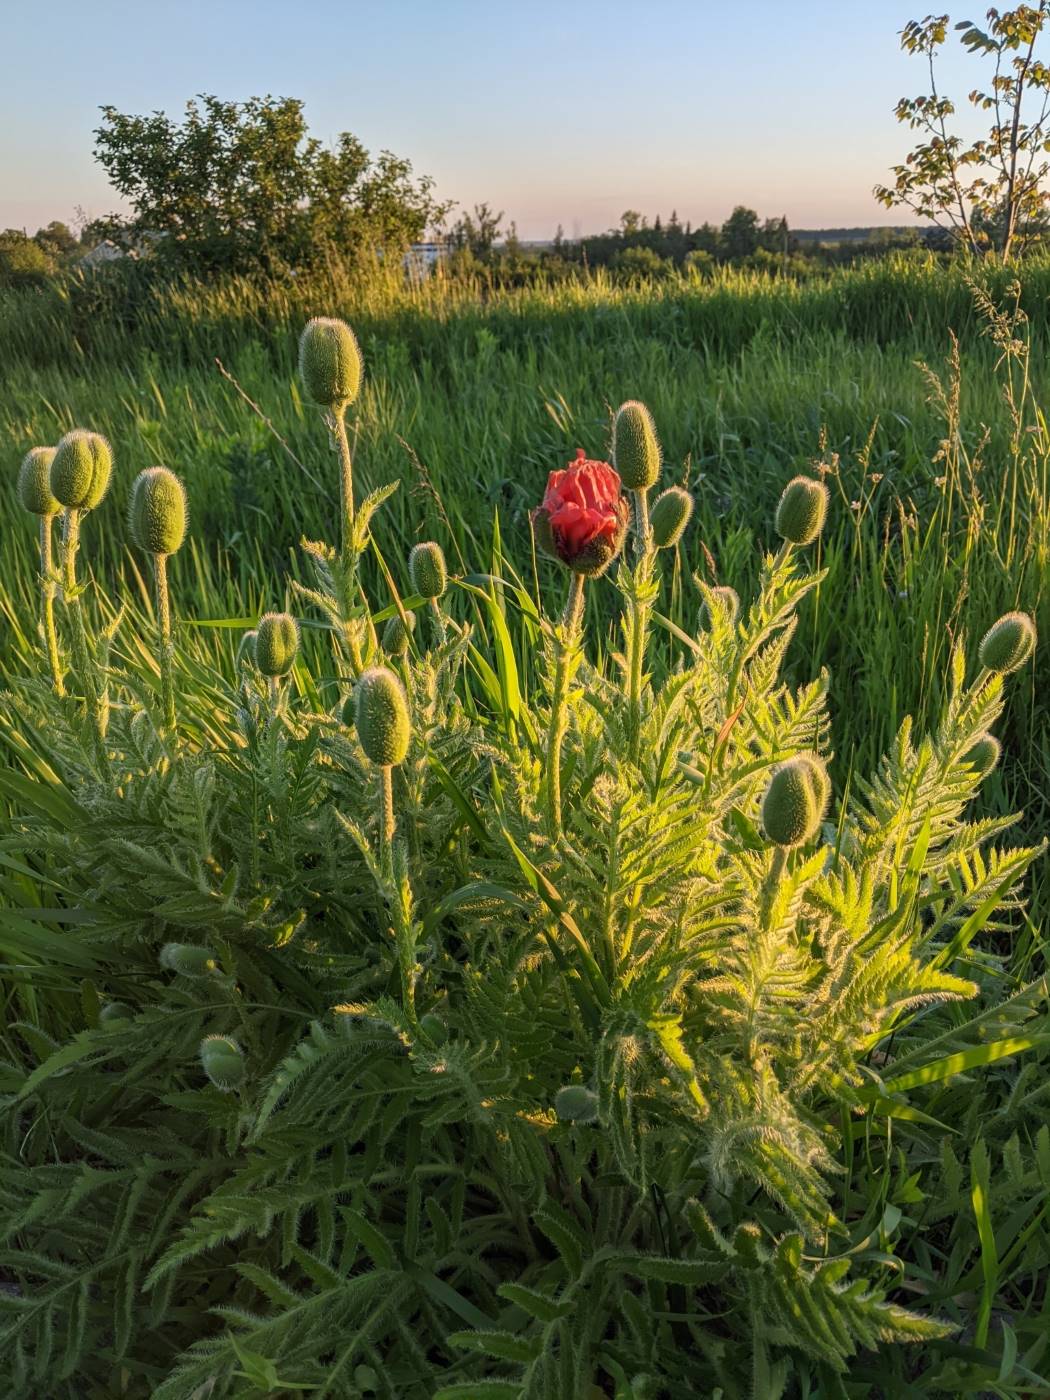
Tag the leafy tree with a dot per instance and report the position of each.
(23, 262)
(477, 234)
(740, 233)
(988, 192)
(56, 238)
(241, 186)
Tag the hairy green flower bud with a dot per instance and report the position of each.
(984, 755)
(426, 569)
(434, 1028)
(802, 510)
(157, 513)
(575, 1103)
(276, 643)
(396, 635)
(246, 649)
(330, 362)
(113, 1012)
(818, 775)
(187, 959)
(223, 1061)
(34, 481)
(636, 448)
(670, 515)
(791, 807)
(727, 600)
(381, 714)
(80, 469)
(1008, 643)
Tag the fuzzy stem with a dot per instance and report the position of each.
(167, 680)
(641, 521)
(346, 475)
(47, 602)
(559, 722)
(83, 660)
(387, 824)
(636, 659)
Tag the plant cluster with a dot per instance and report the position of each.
(410, 1031)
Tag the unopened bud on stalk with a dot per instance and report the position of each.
(426, 568)
(223, 1061)
(114, 1012)
(575, 1103)
(34, 482)
(246, 649)
(636, 448)
(276, 643)
(802, 510)
(1008, 643)
(188, 959)
(670, 515)
(330, 362)
(725, 598)
(381, 714)
(81, 469)
(157, 513)
(984, 755)
(794, 801)
(433, 1027)
(396, 634)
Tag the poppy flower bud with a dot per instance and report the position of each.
(330, 364)
(636, 448)
(34, 481)
(726, 599)
(223, 1061)
(187, 959)
(575, 1103)
(114, 1012)
(396, 634)
(802, 510)
(157, 514)
(246, 649)
(276, 643)
(426, 569)
(381, 713)
(984, 755)
(669, 517)
(1008, 643)
(348, 711)
(794, 800)
(433, 1027)
(81, 469)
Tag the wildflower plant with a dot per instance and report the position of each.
(453, 1025)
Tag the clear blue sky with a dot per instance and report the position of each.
(563, 111)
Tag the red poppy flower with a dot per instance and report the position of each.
(583, 518)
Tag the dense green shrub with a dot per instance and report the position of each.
(387, 1027)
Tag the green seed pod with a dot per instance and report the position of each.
(426, 569)
(396, 634)
(223, 1061)
(276, 643)
(725, 598)
(383, 725)
(790, 807)
(80, 469)
(34, 481)
(246, 649)
(1008, 643)
(434, 1028)
(187, 959)
(636, 448)
(330, 362)
(113, 1012)
(984, 755)
(669, 516)
(575, 1103)
(802, 510)
(157, 514)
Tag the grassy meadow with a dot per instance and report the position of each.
(939, 466)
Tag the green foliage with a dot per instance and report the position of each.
(23, 262)
(402, 1196)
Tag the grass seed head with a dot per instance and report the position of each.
(81, 469)
(330, 363)
(276, 643)
(802, 510)
(1008, 643)
(157, 514)
(34, 482)
(636, 448)
(381, 715)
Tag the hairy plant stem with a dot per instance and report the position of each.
(642, 529)
(640, 617)
(167, 649)
(82, 658)
(346, 476)
(387, 823)
(47, 604)
(559, 720)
